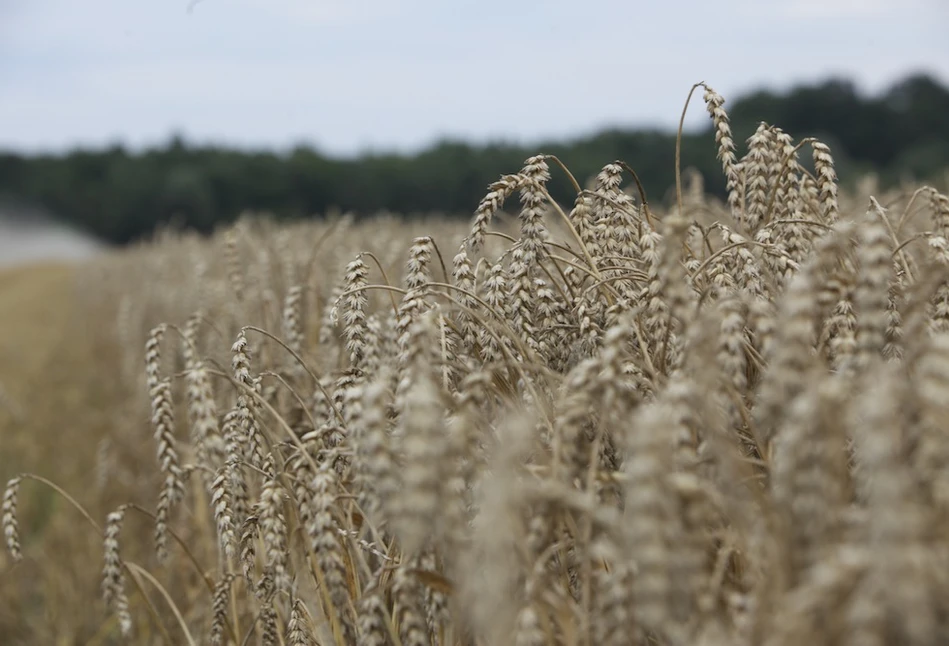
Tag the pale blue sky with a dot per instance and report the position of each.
(350, 75)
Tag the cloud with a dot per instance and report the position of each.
(324, 12)
(397, 73)
(850, 9)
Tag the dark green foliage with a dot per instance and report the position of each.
(121, 196)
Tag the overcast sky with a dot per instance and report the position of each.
(351, 75)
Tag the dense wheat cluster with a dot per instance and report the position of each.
(609, 423)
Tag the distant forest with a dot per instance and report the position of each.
(121, 196)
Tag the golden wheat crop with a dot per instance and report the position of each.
(615, 423)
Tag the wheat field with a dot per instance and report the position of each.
(613, 422)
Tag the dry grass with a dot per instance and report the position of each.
(709, 423)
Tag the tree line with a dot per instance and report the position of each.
(120, 196)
